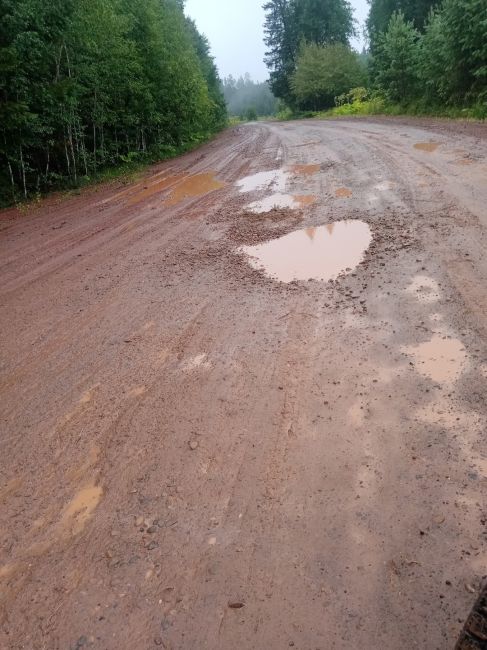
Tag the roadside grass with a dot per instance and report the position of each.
(379, 106)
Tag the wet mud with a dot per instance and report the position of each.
(243, 400)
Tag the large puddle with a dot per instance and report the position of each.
(321, 253)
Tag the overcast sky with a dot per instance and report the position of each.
(234, 29)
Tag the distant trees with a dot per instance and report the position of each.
(427, 53)
(292, 23)
(325, 72)
(247, 98)
(86, 84)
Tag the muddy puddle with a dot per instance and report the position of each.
(152, 187)
(441, 359)
(280, 201)
(427, 146)
(343, 193)
(275, 179)
(321, 253)
(193, 186)
(305, 170)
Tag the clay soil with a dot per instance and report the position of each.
(197, 456)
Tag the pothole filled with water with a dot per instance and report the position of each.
(321, 253)
(427, 146)
(441, 359)
(276, 178)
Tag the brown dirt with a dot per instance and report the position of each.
(196, 456)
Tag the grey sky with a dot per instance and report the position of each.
(234, 29)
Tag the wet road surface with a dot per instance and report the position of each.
(243, 400)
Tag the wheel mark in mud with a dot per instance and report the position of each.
(321, 253)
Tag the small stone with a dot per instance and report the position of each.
(152, 530)
(193, 445)
(151, 546)
(236, 604)
(158, 640)
(139, 521)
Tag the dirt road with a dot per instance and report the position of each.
(199, 452)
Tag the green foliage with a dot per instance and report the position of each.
(289, 23)
(86, 85)
(381, 11)
(243, 93)
(444, 67)
(396, 59)
(251, 114)
(324, 72)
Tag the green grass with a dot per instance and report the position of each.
(379, 106)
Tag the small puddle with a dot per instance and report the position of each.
(427, 146)
(321, 253)
(277, 178)
(440, 359)
(193, 186)
(343, 193)
(305, 170)
(280, 201)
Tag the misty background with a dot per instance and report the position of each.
(235, 31)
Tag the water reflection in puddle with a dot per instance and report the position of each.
(321, 253)
(192, 186)
(280, 201)
(277, 178)
(441, 359)
(427, 146)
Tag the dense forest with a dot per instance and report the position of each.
(248, 99)
(90, 84)
(426, 54)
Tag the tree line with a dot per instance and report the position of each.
(90, 84)
(427, 53)
(248, 99)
